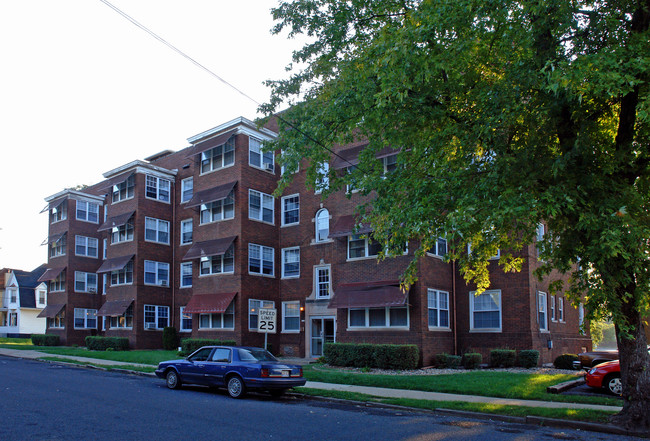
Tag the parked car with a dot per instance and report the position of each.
(588, 360)
(607, 376)
(234, 367)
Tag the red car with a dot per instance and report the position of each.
(607, 376)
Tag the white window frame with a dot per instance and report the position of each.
(156, 182)
(127, 231)
(124, 321)
(87, 283)
(387, 324)
(540, 238)
(259, 159)
(183, 272)
(253, 310)
(560, 309)
(59, 247)
(220, 210)
(159, 268)
(187, 186)
(217, 320)
(158, 230)
(291, 310)
(126, 187)
(436, 250)
(553, 313)
(472, 300)
(84, 243)
(59, 213)
(217, 158)
(322, 216)
(287, 200)
(318, 283)
(87, 315)
(183, 320)
(104, 248)
(219, 264)
(58, 321)
(88, 211)
(542, 311)
(285, 252)
(367, 250)
(260, 250)
(41, 302)
(125, 273)
(184, 224)
(322, 178)
(434, 303)
(12, 295)
(160, 313)
(266, 205)
(386, 164)
(58, 284)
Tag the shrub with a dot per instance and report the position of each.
(94, 343)
(170, 338)
(565, 361)
(364, 355)
(472, 360)
(503, 358)
(446, 361)
(397, 356)
(190, 345)
(45, 340)
(528, 358)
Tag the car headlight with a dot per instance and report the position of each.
(592, 371)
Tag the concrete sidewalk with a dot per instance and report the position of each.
(374, 391)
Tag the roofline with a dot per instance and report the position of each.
(135, 164)
(248, 127)
(69, 191)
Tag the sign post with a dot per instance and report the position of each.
(266, 322)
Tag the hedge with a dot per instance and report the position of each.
(503, 358)
(96, 343)
(45, 340)
(189, 345)
(472, 360)
(170, 338)
(565, 361)
(528, 358)
(382, 356)
(446, 361)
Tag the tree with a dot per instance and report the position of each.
(507, 114)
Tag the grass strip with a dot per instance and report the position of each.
(588, 415)
(103, 366)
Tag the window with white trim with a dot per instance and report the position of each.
(258, 158)
(85, 318)
(485, 311)
(218, 210)
(186, 274)
(58, 284)
(540, 239)
(389, 163)
(186, 320)
(438, 308)
(123, 321)
(187, 189)
(581, 317)
(86, 246)
(85, 282)
(322, 282)
(123, 233)
(104, 283)
(360, 246)
(13, 295)
(440, 248)
(291, 262)
(291, 316)
(104, 248)
(218, 157)
(224, 320)
(353, 185)
(156, 317)
(260, 259)
(187, 227)
(87, 211)
(124, 190)
(560, 309)
(261, 206)
(59, 213)
(322, 178)
(123, 276)
(541, 311)
(254, 310)
(553, 315)
(156, 273)
(58, 247)
(387, 317)
(291, 210)
(58, 321)
(156, 230)
(41, 297)
(322, 221)
(219, 264)
(157, 188)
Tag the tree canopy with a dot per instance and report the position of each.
(506, 114)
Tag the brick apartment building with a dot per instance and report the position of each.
(194, 239)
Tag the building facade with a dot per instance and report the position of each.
(195, 239)
(23, 299)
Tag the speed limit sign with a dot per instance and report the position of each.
(267, 321)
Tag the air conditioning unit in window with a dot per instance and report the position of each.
(269, 167)
(92, 290)
(149, 326)
(162, 283)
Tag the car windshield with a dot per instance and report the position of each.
(251, 354)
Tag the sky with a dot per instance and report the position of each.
(83, 91)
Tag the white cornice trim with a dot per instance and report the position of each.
(243, 125)
(76, 194)
(140, 167)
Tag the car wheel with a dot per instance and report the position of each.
(236, 388)
(613, 384)
(172, 379)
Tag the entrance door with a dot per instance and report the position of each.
(323, 331)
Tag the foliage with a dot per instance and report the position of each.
(97, 343)
(170, 338)
(565, 361)
(190, 345)
(528, 358)
(602, 333)
(472, 360)
(45, 340)
(503, 358)
(446, 361)
(363, 355)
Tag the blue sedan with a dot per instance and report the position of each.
(234, 367)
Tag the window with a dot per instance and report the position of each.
(13, 319)
(157, 188)
(58, 321)
(496, 256)
(104, 283)
(218, 157)
(291, 262)
(86, 246)
(560, 309)
(553, 316)
(256, 157)
(322, 280)
(541, 311)
(58, 284)
(253, 310)
(219, 264)
(156, 317)
(440, 248)
(291, 210)
(322, 225)
(218, 210)
(58, 247)
(186, 274)
(225, 320)
(260, 206)
(485, 311)
(360, 246)
(85, 318)
(540, 239)
(387, 317)
(59, 213)
(389, 163)
(156, 273)
(156, 230)
(13, 295)
(323, 179)
(260, 259)
(123, 233)
(123, 190)
(438, 305)
(186, 231)
(290, 316)
(87, 211)
(104, 248)
(85, 282)
(353, 185)
(187, 189)
(41, 297)
(123, 276)
(186, 320)
(123, 321)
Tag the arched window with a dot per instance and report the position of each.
(322, 225)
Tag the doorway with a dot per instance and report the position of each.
(323, 330)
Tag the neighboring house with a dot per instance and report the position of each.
(195, 239)
(23, 299)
